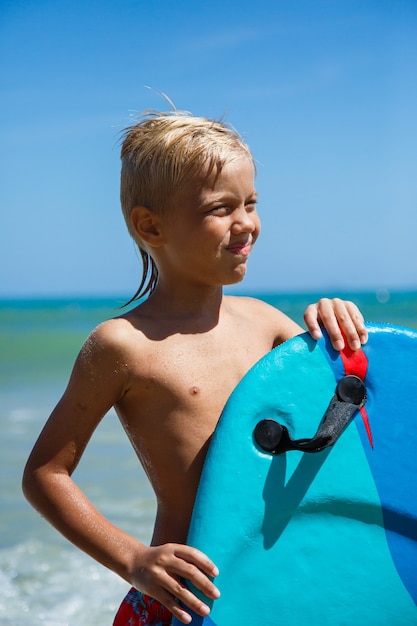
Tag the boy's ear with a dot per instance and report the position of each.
(147, 226)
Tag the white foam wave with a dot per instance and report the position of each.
(56, 586)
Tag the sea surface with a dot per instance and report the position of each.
(43, 579)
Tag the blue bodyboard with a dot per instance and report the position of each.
(324, 538)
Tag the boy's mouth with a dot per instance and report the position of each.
(242, 248)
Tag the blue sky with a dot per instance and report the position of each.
(324, 92)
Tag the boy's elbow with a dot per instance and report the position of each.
(29, 483)
(41, 483)
(33, 484)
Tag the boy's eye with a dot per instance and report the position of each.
(226, 209)
(222, 209)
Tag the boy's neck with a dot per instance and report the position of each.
(201, 303)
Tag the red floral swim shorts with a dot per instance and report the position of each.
(138, 609)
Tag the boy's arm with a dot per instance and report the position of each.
(98, 381)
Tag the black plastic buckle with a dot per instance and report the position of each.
(349, 397)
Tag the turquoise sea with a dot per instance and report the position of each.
(43, 579)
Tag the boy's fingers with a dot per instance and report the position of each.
(324, 312)
(194, 566)
(351, 322)
(311, 321)
(199, 580)
(188, 599)
(163, 569)
(174, 592)
(358, 322)
(170, 603)
(197, 558)
(341, 319)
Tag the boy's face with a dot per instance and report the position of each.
(212, 226)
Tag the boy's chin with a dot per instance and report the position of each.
(237, 277)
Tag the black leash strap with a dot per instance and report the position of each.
(349, 397)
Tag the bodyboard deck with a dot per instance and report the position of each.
(315, 538)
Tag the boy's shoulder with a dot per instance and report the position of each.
(112, 332)
(131, 331)
(252, 305)
(112, 338)
(274, 321)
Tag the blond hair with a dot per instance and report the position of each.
(161, 153)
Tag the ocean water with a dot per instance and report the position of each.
(43, 579)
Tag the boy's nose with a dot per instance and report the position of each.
(245, 221)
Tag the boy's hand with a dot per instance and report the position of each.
(336, 315)
(160, 572)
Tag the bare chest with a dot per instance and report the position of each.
(187, 380)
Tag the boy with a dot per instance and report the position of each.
(169, 365)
